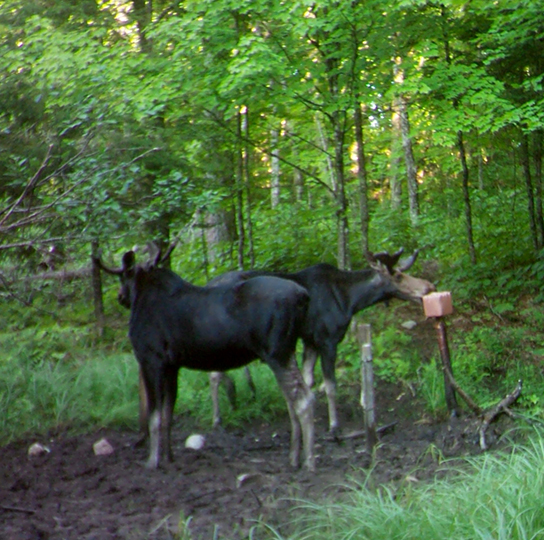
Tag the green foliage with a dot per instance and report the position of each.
(431, 388)
(48, 395)
(395, 358)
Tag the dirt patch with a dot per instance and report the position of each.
(242, 475)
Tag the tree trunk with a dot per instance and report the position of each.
(325, 147)
(239, 188)
(340, 195)
(396, 151)
(481, 184)
(362, 177)
(537, 160)
(298, 184)
(247, 187)
(143, 12)
(96, 282)
(201, 226)
(529, 187)
(466, 196)
(275, 168)
(216, 231)
(411, 170)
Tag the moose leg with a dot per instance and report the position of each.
(328, 361)
(300, 404)
(309, 358)
(294, 448)
(143, 411)
(154, 439)
(169, 402)
(215, 380)
(154, 392)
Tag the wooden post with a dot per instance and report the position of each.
(367, 385)
(436, 306)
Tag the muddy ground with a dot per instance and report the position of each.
(242, 475)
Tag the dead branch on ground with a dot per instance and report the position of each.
(490, 414)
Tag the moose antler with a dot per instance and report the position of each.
(391, 262)
(98, 261)
(408, 262)
(383, 257)
(155, 257)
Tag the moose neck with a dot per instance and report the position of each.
(366, 288)
(146, 282)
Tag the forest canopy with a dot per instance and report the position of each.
(273, 134)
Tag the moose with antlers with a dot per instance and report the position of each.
(335, 297)
(174, 324)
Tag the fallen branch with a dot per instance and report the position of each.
(8, 508)
(489, 415)
(468, 400)
(360, 433)
(502, 406)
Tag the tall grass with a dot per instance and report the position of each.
(60, 379)
(493, 497)
(51, 394)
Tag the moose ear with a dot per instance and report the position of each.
(384, 259)
(129, 260)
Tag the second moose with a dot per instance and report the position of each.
(335, 297)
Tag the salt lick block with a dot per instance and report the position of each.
(437, 304)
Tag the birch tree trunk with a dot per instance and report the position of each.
(247, 186)
(362, 178)
(396, 151)
(274, 168)
(239, 189)
(411, 170)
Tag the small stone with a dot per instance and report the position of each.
(195, 442)
(38, 449)
(409, 325)
(244, 478)
(102, 448)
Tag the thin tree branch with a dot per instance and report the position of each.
(28, 188)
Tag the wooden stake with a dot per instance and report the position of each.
(451, 398)
(367, 385)
(436, 305)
